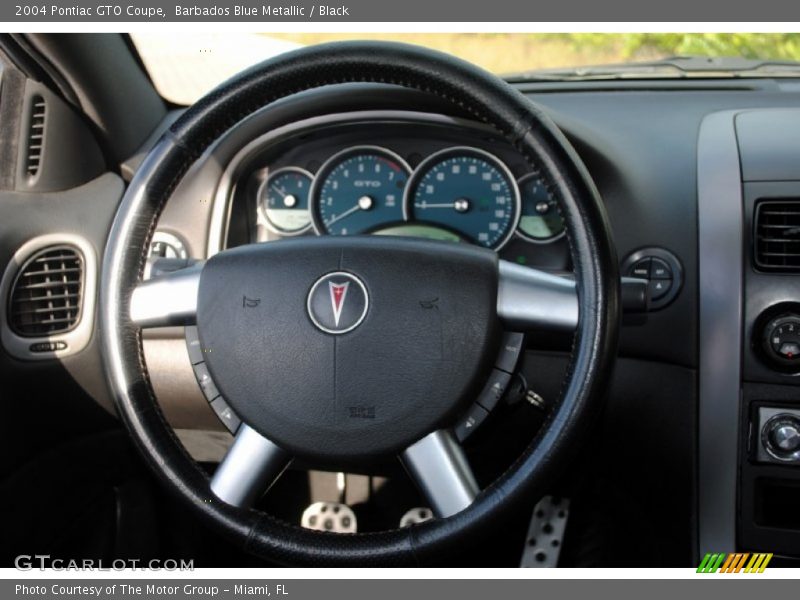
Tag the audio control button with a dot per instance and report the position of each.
(470, 422)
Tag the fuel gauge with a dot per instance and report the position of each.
(283, 200)
(540, 220)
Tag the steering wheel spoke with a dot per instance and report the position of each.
(532, 299)
(248, 469)
(438, 465)
(168, 299)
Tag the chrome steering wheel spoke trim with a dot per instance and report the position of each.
(532, 299)
(248, 469)
(167, 300)
(438, 465)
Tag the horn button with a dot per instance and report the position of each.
(349, 349)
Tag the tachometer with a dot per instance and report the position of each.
(540, 220)
(359, 190)
(283, 200)
(468, 191)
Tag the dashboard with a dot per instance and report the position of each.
(696, 369)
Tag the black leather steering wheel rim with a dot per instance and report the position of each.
(488, 99)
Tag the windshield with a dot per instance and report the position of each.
(185, 66)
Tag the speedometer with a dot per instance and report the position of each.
(359, 190)
(468, 191)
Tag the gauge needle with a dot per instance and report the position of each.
(279, 190)
(430, 205)
(461, 205)
(346, 213)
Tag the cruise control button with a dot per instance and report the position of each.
(658, 288)
(474, 417)
(510, 349)
(226, 414)
(641, 268)
(210, 390)
(494, 389)
(659, 269)
(193, 345)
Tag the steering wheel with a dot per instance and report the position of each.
(346, 357)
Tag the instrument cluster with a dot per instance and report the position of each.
(456, 193)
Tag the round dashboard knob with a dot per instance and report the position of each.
(782, 340)
(785, 436)
(782, 437)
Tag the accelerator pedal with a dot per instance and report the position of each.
(545, 533)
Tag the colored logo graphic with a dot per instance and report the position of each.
(338, 294)
(337, 302)
(740, 562)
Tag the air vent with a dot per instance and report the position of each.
(46, 296)
(777, 235)
(35, 135)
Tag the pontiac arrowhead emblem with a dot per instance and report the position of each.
(337, 302)
(338, 294)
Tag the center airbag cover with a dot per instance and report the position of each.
(426, 339)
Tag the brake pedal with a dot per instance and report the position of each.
(330, 516)
(545, 533)
(416, 515)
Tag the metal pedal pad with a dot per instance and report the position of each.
(545, 533)
(416, 515)
(330, 516)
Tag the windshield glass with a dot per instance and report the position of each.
(185, 66)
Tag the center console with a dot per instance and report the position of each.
(749, 422)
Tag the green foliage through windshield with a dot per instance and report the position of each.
(779, 46)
